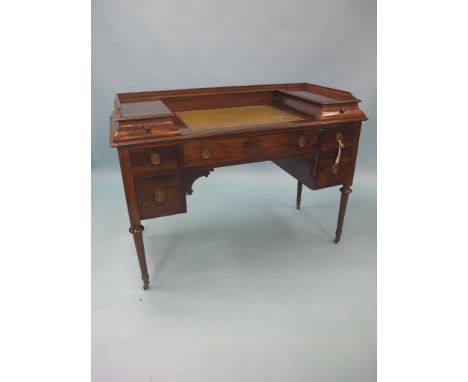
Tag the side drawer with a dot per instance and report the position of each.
(160, 196)
(154, 159)
(330, 175)
(255, 148)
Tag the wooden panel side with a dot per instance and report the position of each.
(129, 187)
(303, 168)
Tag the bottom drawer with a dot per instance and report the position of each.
(160, 196)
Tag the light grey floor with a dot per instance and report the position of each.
(243, 287)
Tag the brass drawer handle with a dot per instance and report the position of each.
(335, 168)
(147, 128)
(155, 158)
(159, 195)
(301, 142)
(205, 153)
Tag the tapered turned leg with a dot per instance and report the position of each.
(137, 232)
(345, 191)
(299, 193)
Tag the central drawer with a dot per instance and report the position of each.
(248, 149)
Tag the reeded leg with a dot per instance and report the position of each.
(345, 191)
(137, 232)
(299, 193)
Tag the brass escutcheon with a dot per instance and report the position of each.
(335, 168)
(205, 153)
(159, 195)
(338, 137)
(301, 142)
(155, 158)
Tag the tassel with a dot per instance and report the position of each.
(340, 146)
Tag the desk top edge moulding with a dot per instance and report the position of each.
(168, 139)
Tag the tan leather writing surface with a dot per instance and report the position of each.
(235, 116)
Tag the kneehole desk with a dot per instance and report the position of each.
(168, 139)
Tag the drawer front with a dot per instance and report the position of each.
(160, 196)
(328, 173)
(328, 140)
(154, 159)
(248, 149)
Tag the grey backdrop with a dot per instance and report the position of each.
(243, 287)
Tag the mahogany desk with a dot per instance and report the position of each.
(168, 139)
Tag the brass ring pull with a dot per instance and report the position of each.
(155, 159)
(301, 142)
(159, 195)
(205, 153)
(335, 168)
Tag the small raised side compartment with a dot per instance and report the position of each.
(137, 119)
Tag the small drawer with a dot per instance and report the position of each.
(329, 139)
(248, 149)
(154, 159)
(328, 173)
(160, 196)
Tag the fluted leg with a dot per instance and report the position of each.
(345, 191)
(137, 232)
(299, 193)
